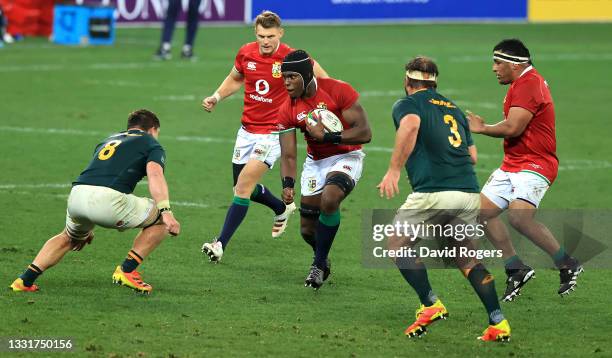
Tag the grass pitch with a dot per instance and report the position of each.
(57, 102)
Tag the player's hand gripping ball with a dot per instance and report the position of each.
(331, 123)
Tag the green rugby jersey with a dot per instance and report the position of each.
(120, 161)
(440, 160)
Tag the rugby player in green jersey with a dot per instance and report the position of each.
(434, 144)
(102, 195)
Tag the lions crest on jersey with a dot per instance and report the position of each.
(322, 105)
(276, 69)
(312, 183)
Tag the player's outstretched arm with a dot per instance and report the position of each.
(288, 170)
(359, 132)
(319, 72)
(159, 192)
(230, 85)
(513, 126)
(405, 140)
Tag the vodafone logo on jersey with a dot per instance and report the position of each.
(262, 87)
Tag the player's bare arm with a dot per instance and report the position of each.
(405, 139)
(511, 127)
(288, 145)
(159, 192)
(473, 153)
(319, 72)
(230, 85)
(358, 133)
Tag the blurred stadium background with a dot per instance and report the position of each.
(57, 101)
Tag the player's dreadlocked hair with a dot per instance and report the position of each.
(268, 19)
(143, 119)
(513, 47)
(426, 66)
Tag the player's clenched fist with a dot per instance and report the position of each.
(209, 103)
(287, 195)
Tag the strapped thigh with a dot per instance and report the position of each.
(342, 181)
(309, 211)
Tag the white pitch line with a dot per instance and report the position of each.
(116, 83)
(51, 131)
(34, 186)
(14, 189)
(487, 105)
(364, 94)
(46, 67)
(568, 164)
(189, 98)
(93, 66)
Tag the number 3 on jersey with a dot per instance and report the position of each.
(455, 138)
(109, 149)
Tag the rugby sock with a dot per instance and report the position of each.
(484, 285)
(560, 258)
(30, 275)
(513, 263)
(262, 195)
(310, 240)
(235, 215)
(327, 227)
(131, 262)
(415, 274)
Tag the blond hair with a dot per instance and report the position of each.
(268, 19)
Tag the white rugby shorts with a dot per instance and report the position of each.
(503, 187)
(90, 205)
(262, 147)
(314, 172)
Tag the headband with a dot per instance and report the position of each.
(517, 60)
(421, 76)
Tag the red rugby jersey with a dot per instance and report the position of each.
(264, 89)
(334, 95)
(535, 149)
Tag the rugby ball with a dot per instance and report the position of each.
(330, 121)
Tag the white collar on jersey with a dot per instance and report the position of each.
(526, 70)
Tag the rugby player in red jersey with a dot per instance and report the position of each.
(334, 162)
(529, 168)
(258, 67)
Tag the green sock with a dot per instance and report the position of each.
(484, 285)
(415, 273)
(560, 257)
(513, 263)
